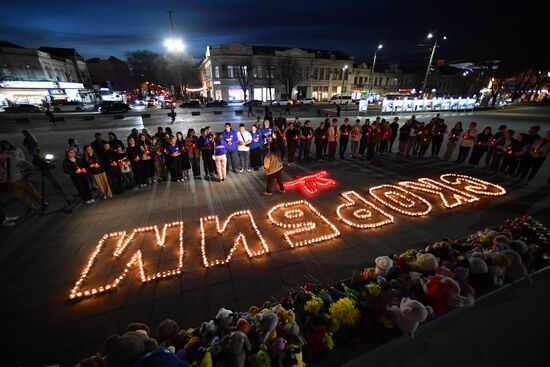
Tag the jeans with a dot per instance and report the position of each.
(343, 145)
(233, 158)
(436, 146)
(271, 178)
(292, 145)
(318, 150)
(303, 153)
(244, 159)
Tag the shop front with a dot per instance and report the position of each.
(16, 92)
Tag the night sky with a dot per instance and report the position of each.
(476, 30)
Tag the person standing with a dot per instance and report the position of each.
(454, 137)
(134, 155)
(501, 148)
(292, 138)
(491, 146)
(158, 159)
(255, 148)
(320, 138)
(394, 127)
(273, 166)
(231, 139)
(365, 129)
(306, 134)
(244, 141)
(73, 144)
(404, 133)
(97, 144)
(372, 139)
(481, 146)
(124, 164)
(279, 136)
(173, 151)
(206, 146)
(220, 150)
(531, 163)
(355, 136)
(93, 165)
(411, 139)
(385, 136)
(438, 133)
(516, 151)
(266, 133)
(146, 158)
(287, 108)
(14, 174)
(332, 139)
(114, 141)
(194, 153)
(345, 130)
(184, 155)
(425, 140)
(468, 139)
(109, 161)
(50, 115)
(250, 112)
(75, 167)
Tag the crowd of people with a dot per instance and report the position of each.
(113, 166)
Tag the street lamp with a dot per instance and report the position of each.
(174, 45)
(343, 75)
(425, 81)
(371, 84)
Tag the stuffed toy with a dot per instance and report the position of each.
(204, 359)
(382, 265)
(277, 347)
(94, 361)
(293, 334)
(166, 333)
(134, 326)
(125, 350)
(409, 315)
(262, 358)
(286, 316)
(224, 319)
(266, 322)
(460, 276)
(160, 357)
(237, 345)
(368, 274)
(243, 325)
(424, 263)
(441, 292)
(292, 357)
(523, 250)
(516, 270)
(207, 331)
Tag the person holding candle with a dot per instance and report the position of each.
(374, 134)
(501, 148)
(134, 154)
(491, 146)
(231, 139)
(279, 136)
(365, 129)
(332, 139)
(185, 164)
(320, 138)
(438, 134)
(75, 167)
(454, 137)
(244, 139)
(345, 130)
(93, 165)
(411, 139)
(110, 163)
(173, 152)
(255, 148)
(394, 127)
(468, 139)
(114, 141)
(532, 161)
(515, 152)
(355, 136)
(481, 145)
(306, 134)
(424, 142)
(273, 166)
(220, 151)
(127, 178)
(325, 142)
(158, 159)
(404, 133)
(194, 153)
(292, 138)
(267, 137)
(385, 136)
(206, 146)
(146, 156)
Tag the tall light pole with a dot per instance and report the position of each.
(425, 81)
(343, 76)
(173, 44)
(371, 84)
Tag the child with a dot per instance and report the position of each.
(273, 166)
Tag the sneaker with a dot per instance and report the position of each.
(234, 171)
(241, 170)
(248, 170)
(92, 201)
(88, 202)
(105, 197)
(223, 179)
(265, 193)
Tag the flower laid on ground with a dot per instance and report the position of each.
(314, 305)
(343, 312)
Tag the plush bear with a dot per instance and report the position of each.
(166, 333)
(460, 275)
(479, 278)
(207, 331)
(293, 334)
(237, 345)
(277, 347)
(160, 357)
(204, 358)
(266, 322)
(134, 326)
(262, 358)
(516, 270)
(94, 361)
(409, 315)
(441, 292)
(383, 265)
(125, 350)
(424, 263)
(224, 319)
(243, 325)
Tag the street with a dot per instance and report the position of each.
(43, 257)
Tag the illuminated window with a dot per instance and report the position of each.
(230, 71)
(216, 71)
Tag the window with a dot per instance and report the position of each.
(306, 73)
(230, 71)
(360, 80)
(216, 71)
(315, 73)
(259, 72)
(321, 73)
(355, 81)
(243, 70)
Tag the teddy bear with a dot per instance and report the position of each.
(479, 277)
(237, 345)
(409, 315)
(266, 322)
(424, 263)
(441, 292)
(224, 319)
(277, 347)
(382, 265)
(166, 333)
(207, 331)
(204, 358)
(134, 326)
(94, 361)
(293, 334)
(242, 325)
(460, 275)
(125, 350)
(261, 358)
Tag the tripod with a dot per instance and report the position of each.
(47, 174)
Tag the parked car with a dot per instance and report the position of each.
(194, 103)
(23, 108)
(282, 102)
(100, 106)
(306, 101)
(116, 107)
(168, 104)
(151, 103)
(340, 100)
(253, 103)
(216, 104)
(69, 106)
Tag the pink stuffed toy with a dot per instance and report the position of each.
(441, 292)
(409, 314)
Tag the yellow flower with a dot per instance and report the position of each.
(343, 312)
(314, 305)
(374, 289)
(328, 341)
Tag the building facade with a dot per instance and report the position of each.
(321, 73)
(109, 73)
(30, 76)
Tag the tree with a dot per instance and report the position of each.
(181, 71)
(269, 67)
(289, 74)
(244, 75)
(144, 65)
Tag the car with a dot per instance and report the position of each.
(340, 100)
(23, 108)
(253, 103)
(151, 103)
(69, 106)
(306, 101)
(100, 106)
(168, 105)
(219, 103)
(116, 107)
(282, 102)
(194, 103)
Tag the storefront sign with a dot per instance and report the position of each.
(56, 92)
(300, 223)
(27, 84)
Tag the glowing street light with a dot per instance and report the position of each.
(174, 45)
(370, 84)
(344, 68)
(425, 81)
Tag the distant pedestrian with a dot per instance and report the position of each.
(172, 113)
(338, 110)
(394, 127)
(250, 112)
(50, 115)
